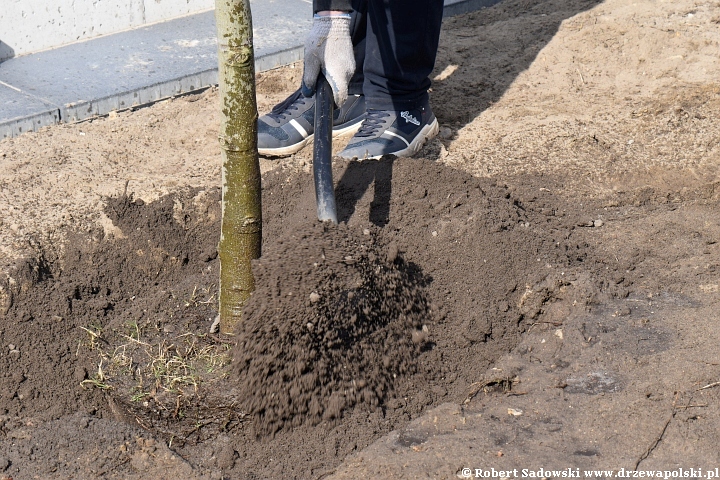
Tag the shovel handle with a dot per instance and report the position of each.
(322, 152)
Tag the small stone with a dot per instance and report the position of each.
(314, 297)
(366, 232)
(310, 326)
(215, 327)
(80, 373)
(11, 347)
(225, 457)
(434, 233)
(598, 223)
(446, 133)
(439, 390)
(418, 336)
(622, 312)
(169, 328)
(392, 252)
(515, 412)
(559, 333)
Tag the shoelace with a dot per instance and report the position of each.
(281, 110)
(372, 123)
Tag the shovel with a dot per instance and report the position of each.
(322, 152)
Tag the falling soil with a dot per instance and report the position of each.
(333, 323)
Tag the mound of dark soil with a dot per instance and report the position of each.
(335, 319)
(341, 344)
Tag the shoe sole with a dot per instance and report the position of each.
(428, 132)
(290, 149)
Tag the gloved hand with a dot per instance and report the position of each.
(328, 48)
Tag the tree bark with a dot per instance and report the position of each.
(241, 231)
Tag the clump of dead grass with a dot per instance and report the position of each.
(146, 365)
(174, 386)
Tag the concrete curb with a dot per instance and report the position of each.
(23, 113)
(142, 96)
(141, 66)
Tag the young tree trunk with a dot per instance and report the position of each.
(241, 231)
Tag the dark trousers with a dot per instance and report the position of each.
(395, 44)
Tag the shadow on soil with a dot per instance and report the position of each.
(509, 43)
(355, 182)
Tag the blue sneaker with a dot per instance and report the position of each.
(386, 132)
(291, 124)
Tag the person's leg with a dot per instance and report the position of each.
(291, 124)
(400, 50)
(358, 33)
(401, 46)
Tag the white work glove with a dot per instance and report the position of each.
(328, 48)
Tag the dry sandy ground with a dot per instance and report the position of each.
(610, 107)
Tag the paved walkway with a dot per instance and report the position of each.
(143, 65)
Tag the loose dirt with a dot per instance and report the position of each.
(538, 288)
(352, 325)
